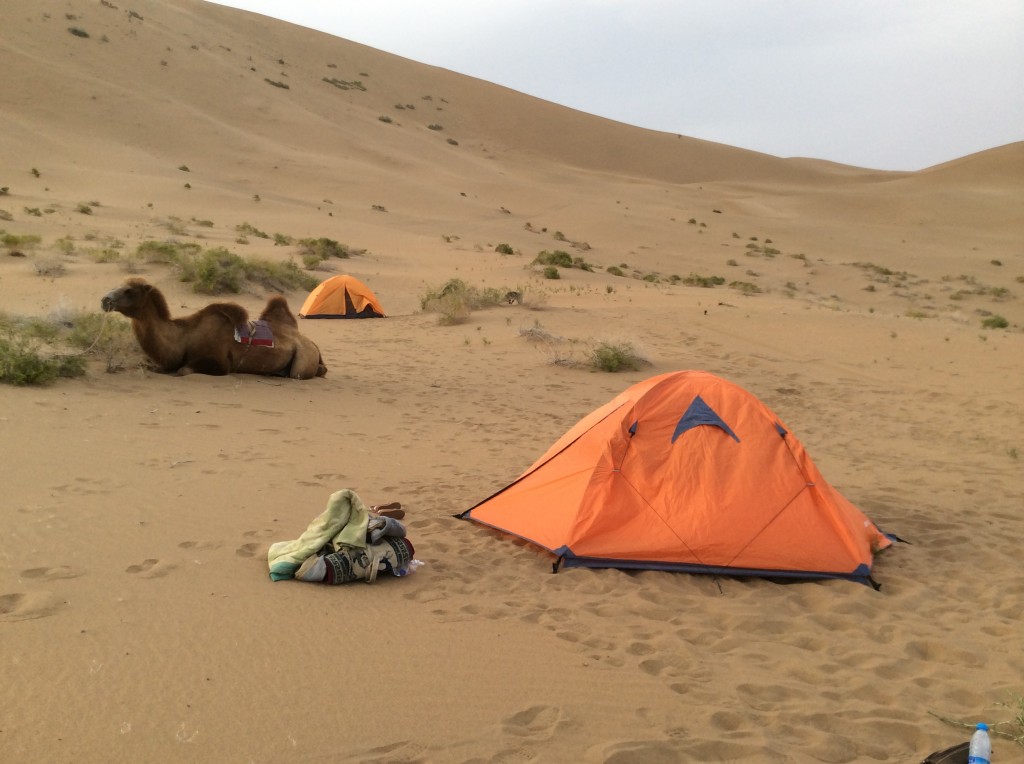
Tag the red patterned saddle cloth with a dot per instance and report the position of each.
(255, 333)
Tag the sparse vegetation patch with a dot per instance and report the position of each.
(454, 301)
(707, 282)
(995, 322)
(616, 356)
(315, 251)
(248, 230)
(344, 85)
(220, 271)
(29, 353)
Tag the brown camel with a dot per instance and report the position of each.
(217, 339)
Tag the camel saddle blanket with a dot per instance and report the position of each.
(255, 333)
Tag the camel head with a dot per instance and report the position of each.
(132, 297)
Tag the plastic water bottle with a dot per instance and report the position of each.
(981, 746)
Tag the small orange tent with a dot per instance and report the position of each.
(685, 471)
(341, 297)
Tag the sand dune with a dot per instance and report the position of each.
(137, 619)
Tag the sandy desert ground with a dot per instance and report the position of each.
(137, 619)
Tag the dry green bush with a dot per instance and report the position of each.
(314, 252)
(28, 355)
(707, 282)
(612, 356)
(597, 355)
(454, 301)
(18, 243)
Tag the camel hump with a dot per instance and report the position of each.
(277, 311)
(235, 313)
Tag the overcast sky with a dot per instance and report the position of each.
(886, 84)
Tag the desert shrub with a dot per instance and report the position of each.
(36, 350)
(538, 334)
(24, 360)
(34, 329)
(995, 322)
(104, 336)
(707, 282)
(615, 270)
(277, 84)
(104, 255)
(278, 277)
(220, 271)
(455, 301)
(452, 302)
(343, 84)
(745, 287)
(175, 225)
(216, 271)
(78, 32)
(385, 118)
(165, 252)
(551, 272)
(14, 242)
(504, 249)
(615, 356)
(313, 252)
(248, 230)
(324, 248)
(282, 240)
(556, 257)
(310, 261)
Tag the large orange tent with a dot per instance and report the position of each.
(341, 296)
(686, 471)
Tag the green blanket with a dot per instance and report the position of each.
(343, 522)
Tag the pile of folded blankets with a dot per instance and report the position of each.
(349, 541)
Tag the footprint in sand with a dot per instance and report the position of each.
(248, 550)
(648, 751)
(330, 476)
(19, 606)
(539, 722)
(151, 568)
(200, 544)
(51, 574)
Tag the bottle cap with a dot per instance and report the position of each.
(982, 726)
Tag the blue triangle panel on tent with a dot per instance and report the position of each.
(697, 414)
